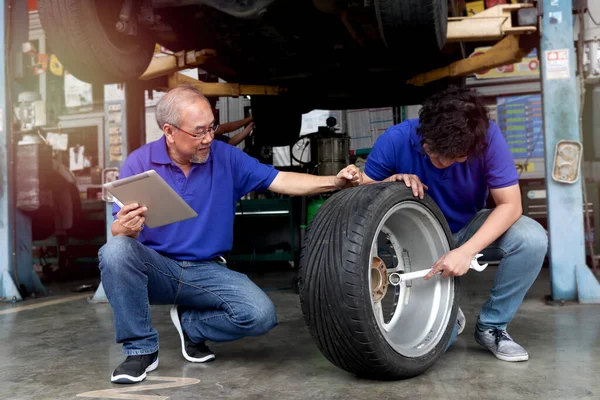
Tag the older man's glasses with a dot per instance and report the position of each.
(200, 134)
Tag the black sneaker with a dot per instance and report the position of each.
(193, 352)
(134, 368)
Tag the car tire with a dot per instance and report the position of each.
(82, 34)
(277, 120)
(400, 21)
(339, 284)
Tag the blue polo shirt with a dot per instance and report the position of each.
(212, 189)
(460, 190)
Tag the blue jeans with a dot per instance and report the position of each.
(218, 304)
(524, 246)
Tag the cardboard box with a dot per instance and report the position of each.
(529, 66)
(475, 7)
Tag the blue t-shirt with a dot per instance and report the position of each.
(211, 189)
(460, 190)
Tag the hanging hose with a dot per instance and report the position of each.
(306, 145)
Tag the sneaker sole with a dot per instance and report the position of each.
(123, 378)
(175, 319)
(505, 357)
(461, 327)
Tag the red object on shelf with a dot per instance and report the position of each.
(492, 3)
(32, 5)
(508, 68)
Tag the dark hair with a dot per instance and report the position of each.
(454, 123)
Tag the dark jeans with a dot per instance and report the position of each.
(219, 304)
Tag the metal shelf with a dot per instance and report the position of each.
(253, 210)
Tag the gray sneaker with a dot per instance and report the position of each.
(499, 342)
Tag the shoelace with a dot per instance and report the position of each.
(500, 334)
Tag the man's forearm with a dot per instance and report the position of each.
(237, 139)
(500, 219)
(296, 184)
(232, 126)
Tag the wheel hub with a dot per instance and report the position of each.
(379, 279)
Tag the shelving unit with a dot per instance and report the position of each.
(249, 214)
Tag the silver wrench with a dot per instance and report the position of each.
(395, 278)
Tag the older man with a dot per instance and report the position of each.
(182, 263)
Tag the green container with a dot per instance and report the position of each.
(313, 207)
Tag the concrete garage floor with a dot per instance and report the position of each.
(62, 350)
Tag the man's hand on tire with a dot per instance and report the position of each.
(411, 181)
(453, 263)
(131, 220)
(348, 177)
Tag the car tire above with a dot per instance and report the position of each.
(83, 34)
(416, 28)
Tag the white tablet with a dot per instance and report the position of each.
(148, 189)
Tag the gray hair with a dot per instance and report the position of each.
(168, 108)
